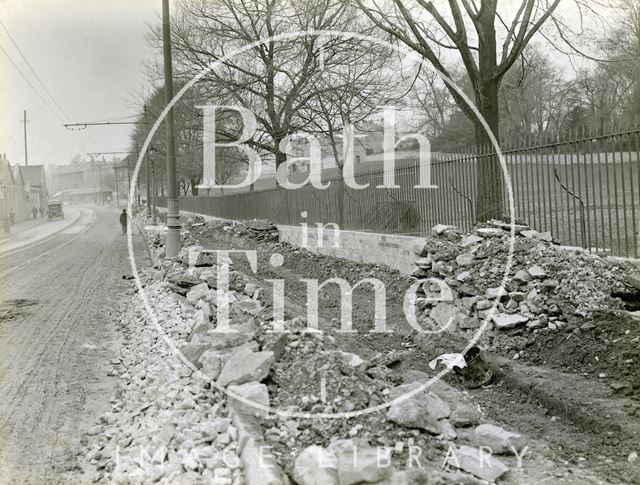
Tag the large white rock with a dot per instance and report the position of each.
(490, 231)
(250, 306)
(530, 233)
(418, 246)
(471, 239)
(197, 292)
(193, 352)
(423, 263)
(353, 360)
(446, 315)
(505, 321)
(523, 276)
(316, 465)
(360, 464)
(498, 439)
(193, 253)
(211, 363)
(463, 411)
(477, 462)
(537, 271)
(541, 236)
(199, 317)
(465, 259)
(205, 307)
(254, 392)
(246, 366)
(237, 332)
(496, 292)
(423, 410)
(440, 228)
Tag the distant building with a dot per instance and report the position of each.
(35, 183)
(21, 189)
(86, 182)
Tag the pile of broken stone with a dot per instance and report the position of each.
(185, 411)
(258, 229)
(549, 287)
(166, 424)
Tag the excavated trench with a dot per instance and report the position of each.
(574, 419)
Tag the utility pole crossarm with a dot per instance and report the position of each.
(103, 123)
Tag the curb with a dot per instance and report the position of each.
(48, 237)
(258, 464)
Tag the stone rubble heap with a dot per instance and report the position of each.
(549, 288)
(250, 363)
(166, 425)
(472, 449)
(257, 229)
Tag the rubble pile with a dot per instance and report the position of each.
(257, 229)
(550, 287)
(305, 371)
(166, 425)
(284, 370)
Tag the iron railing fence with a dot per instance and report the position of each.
(585, 190)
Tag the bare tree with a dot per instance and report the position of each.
(623, 51)
(468, 28)
(533, 95)
(434, 102)
(606, 94)
(357, 82)
(188, 130)
(275, 79)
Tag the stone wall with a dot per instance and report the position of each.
(392, 250)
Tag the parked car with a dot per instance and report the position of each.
(54, 210)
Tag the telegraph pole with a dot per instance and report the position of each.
(115, 172)
(173, 211)
(146, 155)
(138, 180)
(24, 121)
(155, 193)
(148, 184)
(128, 177)
(100, 175)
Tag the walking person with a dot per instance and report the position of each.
(123, 221)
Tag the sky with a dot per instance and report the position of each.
(89, 54)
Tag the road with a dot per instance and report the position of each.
(57, 335)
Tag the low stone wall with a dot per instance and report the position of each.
(394, 251)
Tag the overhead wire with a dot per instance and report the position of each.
(31, 85)
(33, 70)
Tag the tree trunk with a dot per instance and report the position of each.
(489, 176)
(194, 188)
(489, 202)
(340, 191)
(280, 156)
(340, 195)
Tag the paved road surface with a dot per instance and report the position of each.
(56, 339)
